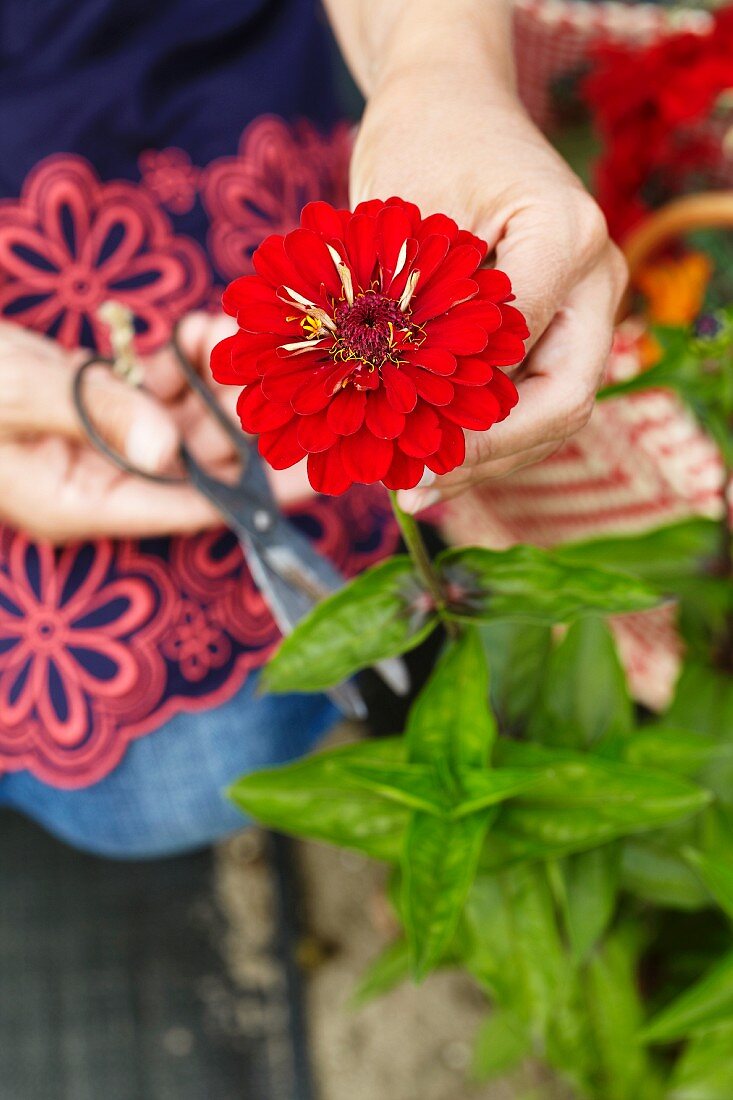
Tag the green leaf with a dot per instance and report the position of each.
(372, 618)
(705, 1070)
(502, 1042)
(673, 750)
(383, 974)
(479, 789)
(584, 696)
(450, 723)
(657, 875)
(438, 868)
(663, 556)
(313, 798)
(717, 875)
(704, 1005)
(527, 583)
(582, 802)
(591, 886)
(517, 653)
(512, 943)
(413, 785)
(419, 786)
(624, 1071)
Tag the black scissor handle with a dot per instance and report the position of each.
(95, 437)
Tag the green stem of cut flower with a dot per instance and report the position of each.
(424, 568)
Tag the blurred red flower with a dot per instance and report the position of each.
(369, 341)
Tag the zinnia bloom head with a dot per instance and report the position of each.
(369, 342)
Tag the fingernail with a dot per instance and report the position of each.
(427, 479)
(145, 447)
(413, 501)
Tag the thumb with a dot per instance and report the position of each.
(36, 396)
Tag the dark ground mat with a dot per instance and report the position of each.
(113, 984)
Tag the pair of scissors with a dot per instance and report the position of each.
(291, 574)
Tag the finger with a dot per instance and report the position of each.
(556, 394)
(36, 396)
(59, 492)
(546, 254)
(197, 334)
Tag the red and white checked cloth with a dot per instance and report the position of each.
(642, 461)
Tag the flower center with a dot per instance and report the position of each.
(366, 330)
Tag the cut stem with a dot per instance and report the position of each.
(424, 567)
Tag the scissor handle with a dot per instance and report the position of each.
(195, 381)
(99, 441)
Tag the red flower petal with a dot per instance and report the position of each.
(513, 321)
(453, 334)
(400, 389)
(281, 386)
(366, 458)
(494, 284)
(314, 433)
(430, 255)
(480, 311)
(461, 263)
(381, 419)
(281, 448)
(431, 387)
(473, 372)
(323, 218)
(231, 362)
(465, 237)
(361, 248)
(314, 394)
(421, 435)
(258, 414)
(477, 408)
(437, 360)
(505, 392)
(392, 231)
(398, 283)
(272, 264)
(504, 349)
(438, 223)
(452, 450)
(441, 297)
(404, 471)
(311, 258)
(346, 411)
(326, 472)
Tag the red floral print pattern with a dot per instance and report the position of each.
(71, 242)
(171, 177)
(264, 188)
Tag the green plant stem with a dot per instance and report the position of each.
(424, 568)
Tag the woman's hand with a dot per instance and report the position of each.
(444, 128)
(55, 486)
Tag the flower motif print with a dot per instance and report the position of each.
(171, 177)
(195, 642)
(278, 169)
(65, 639)
(71, 242)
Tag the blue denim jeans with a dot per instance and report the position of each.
(167, 794)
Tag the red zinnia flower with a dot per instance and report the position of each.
(368, 342)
